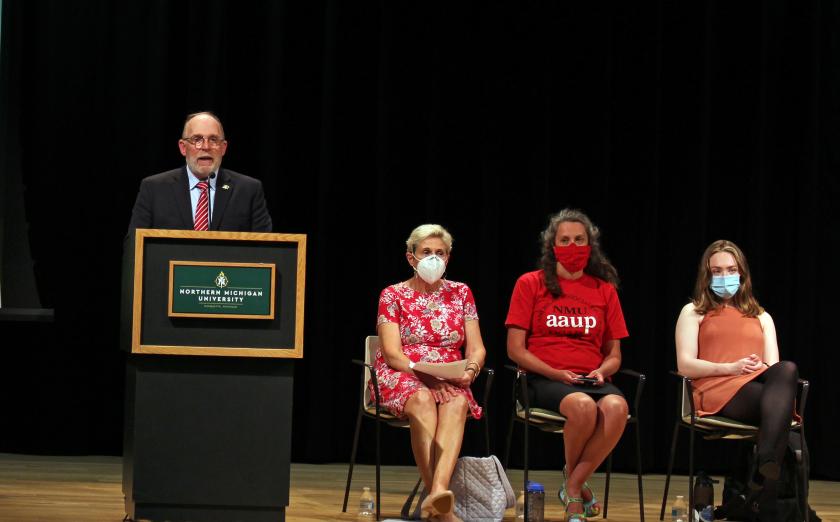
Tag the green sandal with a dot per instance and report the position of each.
(574, 517)
(591, 508)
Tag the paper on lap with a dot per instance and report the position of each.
(450, 370)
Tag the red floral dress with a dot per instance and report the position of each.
(431, 330)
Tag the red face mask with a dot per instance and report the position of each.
(573, 257)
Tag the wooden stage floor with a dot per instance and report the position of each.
(89, 489)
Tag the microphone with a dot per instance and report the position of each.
(210, 201)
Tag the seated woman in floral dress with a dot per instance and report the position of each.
(430, 319)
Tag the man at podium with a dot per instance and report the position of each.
(201, 195)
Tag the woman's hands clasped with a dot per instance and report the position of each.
(749, 364)
(443, 391)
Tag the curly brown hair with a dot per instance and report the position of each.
(706, 301)
(598, 266)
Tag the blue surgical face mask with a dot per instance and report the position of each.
(725, 286)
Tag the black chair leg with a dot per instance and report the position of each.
(639, 470)
(406, 512)
(378, 489)
(352, 460)
(607, 485)
(803, 475)
(691, 477)
(525, 466)
(487, 432)
(670, 468)
(509, 437)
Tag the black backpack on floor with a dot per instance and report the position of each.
(737, 500)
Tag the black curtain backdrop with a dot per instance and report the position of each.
(671, 123)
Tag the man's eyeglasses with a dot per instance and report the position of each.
(211, 142)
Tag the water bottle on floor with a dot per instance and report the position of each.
(367, 510)
(679, 511)
(535, 497)
(704, 496)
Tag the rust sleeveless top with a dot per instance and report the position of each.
(725, 336)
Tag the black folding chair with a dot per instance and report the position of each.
(713, 427)
(553, 422)
(370, 408)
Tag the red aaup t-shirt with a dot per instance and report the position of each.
(567, 332)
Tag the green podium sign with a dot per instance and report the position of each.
(222, 290)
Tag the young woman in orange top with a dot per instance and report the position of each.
(726, 343)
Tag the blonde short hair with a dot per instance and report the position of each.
(425, 232)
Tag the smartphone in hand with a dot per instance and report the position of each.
(589, 381)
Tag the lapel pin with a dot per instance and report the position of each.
(225, 187)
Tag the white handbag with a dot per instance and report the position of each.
(481, 488)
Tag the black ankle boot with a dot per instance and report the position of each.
(767, 469)
(763, 502)
(768, 511)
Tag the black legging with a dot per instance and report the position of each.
(767, 401)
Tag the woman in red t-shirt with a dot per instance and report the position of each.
(564, 323)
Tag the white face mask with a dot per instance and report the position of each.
(430, 269)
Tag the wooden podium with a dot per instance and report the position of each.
(210, 321)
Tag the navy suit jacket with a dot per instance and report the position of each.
(164, 202)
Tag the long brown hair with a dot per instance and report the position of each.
(706, 301)
(598, 266)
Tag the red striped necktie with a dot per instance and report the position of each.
(202, 210)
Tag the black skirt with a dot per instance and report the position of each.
(547, 394)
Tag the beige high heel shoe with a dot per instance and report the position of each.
(440, 503)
